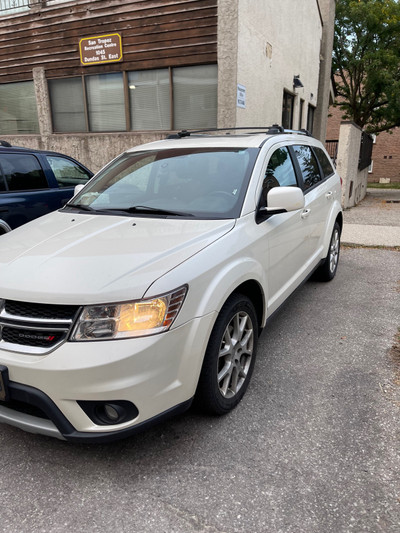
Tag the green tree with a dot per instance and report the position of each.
(366, 59)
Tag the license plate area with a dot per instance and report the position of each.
(3, 383)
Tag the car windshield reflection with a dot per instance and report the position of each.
(202, 183)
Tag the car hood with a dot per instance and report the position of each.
(81, 259)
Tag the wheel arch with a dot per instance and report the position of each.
(254, 292)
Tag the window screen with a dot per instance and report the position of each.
(22, 172)
(106, 103)
(18, 112)
(195, 97)
(308, 165)
(149, 96)
(66, 97)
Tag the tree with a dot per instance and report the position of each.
(366, 60)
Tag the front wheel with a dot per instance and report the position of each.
(230, 356)
(327, 271)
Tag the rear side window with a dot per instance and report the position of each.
(324, 161)
(308, 166)
(66, 172)
(22, 172)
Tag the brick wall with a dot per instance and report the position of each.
(386, 152)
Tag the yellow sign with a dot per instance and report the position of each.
(100, 49)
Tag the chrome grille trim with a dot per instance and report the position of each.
(36, 327)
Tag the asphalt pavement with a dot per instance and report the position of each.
(375, 221)
(312, 448)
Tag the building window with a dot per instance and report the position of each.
(67, 104)
(310, 118)
(287, 110)
(160, 99)
(149, 98)
(195, 97)
(106, 103)
(301, 111)
(18, 112)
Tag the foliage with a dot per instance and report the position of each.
(366, 60)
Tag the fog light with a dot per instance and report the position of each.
(109, 413)
(113, 412)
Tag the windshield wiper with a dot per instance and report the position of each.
(81, 207)
(147, 209)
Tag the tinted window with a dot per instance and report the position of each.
(280, 171)
(324, 161)
(308, 165)
(22, 172)
(67, 173)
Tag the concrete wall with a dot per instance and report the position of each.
(328, 8)
(275, 41)
(354, 181)
(94, 150)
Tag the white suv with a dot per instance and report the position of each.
(150, 287)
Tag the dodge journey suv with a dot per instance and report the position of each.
(149, 289)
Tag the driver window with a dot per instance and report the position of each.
(280, 171)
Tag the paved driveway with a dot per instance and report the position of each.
(313, 447)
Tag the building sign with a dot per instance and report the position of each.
(100, 49)
(241, 96)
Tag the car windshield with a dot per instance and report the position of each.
(201, 183)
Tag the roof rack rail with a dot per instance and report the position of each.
(269, 130)
(5, 143)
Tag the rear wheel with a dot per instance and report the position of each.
(230, 356)
(327, 271)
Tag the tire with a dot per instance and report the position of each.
(229, 358)
(327, 271)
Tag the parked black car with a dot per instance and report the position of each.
(35, 182)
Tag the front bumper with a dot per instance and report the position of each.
(157, 374)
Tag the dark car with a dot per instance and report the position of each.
(35, 182)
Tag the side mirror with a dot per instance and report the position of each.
(283, 200)
(78, 188)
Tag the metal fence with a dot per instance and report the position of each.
(13, 5)
(365, 157)
(332, 149)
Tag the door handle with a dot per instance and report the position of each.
(329, 195)
(3, 209)
(305, 213)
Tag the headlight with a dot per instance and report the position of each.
(129, 319)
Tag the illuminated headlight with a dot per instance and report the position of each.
(129, 319)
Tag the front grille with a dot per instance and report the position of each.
(41, 311)
(34, 328)
(43, 339)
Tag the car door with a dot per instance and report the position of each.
(316, 199)
(285, 234)
(26, 194)
(63, 174)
